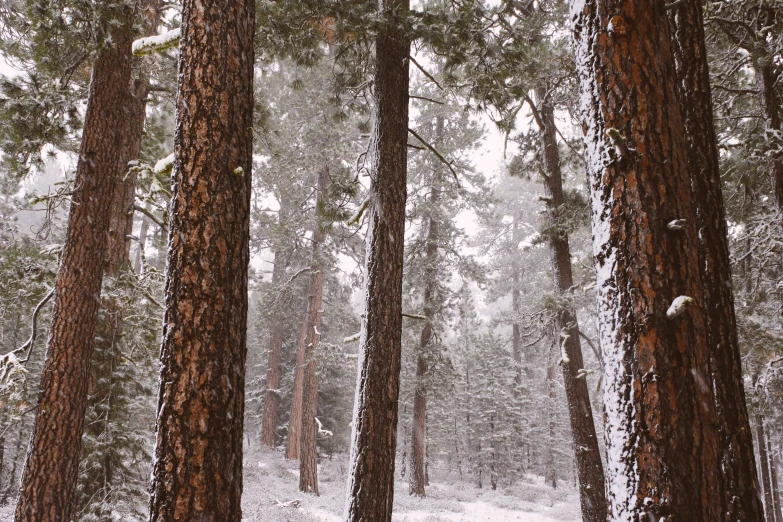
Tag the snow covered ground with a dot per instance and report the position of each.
(271, 483)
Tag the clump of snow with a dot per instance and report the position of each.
(679, 306)
(157, 43)
(165, 165)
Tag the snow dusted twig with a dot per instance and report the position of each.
(415, 316)
(28, 345)
(679, 306)
(322, 431)
(295, 503)
(437, 154)
(352, 338)
(157, 43)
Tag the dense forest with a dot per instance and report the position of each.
(466, 260)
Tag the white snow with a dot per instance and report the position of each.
(157, 43)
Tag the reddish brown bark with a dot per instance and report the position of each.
(50, 471)
(295, 417)
(589, 468)
(272, 393)
(661, 433)
(197, 473)
(371, 482)
(418, 476)
(739, 500)
(308, 461)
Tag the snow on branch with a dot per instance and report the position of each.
(157, 43)
(322, 431)
(165, 165)
(679, 306)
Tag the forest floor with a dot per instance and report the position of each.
(271, 481)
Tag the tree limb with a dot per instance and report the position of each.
(437, 154)
(34, 331)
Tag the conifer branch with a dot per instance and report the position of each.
(437, 154)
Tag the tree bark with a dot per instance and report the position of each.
(661, 433)
(272, 393)
(51, 467)
(197, 472)
(418, 477)
(587, 455)
(295, 417)
(308, 461)
(761, 436)
(740, 500)
(371, 482)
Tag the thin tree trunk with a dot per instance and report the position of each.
(197, 472)
(740, 500)
(761, 437)
(51, 468)
(587, 455)
(661, 433)
(371, 482)
(773, 475)
(418, 476)
(272, 393)
(770, 106)
(516, 306)
(550, 474)
(308, 461)
(295, 417)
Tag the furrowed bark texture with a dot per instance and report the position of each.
(51, 467)
(740, 500)
(371, 482)
(197, 472)
(589, 468)
(662, 441)
(295, 417)
(418, 477)
(308, 462)
(272, 395)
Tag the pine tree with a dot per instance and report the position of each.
(735, 443)
(50, 473)
(662, 441)
(198, 453)
(371, 468)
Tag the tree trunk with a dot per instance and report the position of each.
(197, 472)
(740, 500)
(550, 473)
(371, 483)
(51, 468)
(587, 455)
(295, 417)
(272, 393)
(418, 476)
(516, 306)
(773, 475)
(770, 106)
(308, 461)
(661, 433)
(761, 436)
